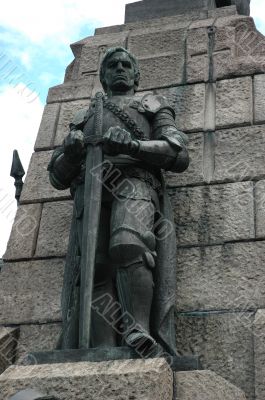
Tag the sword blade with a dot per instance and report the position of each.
(92, 208)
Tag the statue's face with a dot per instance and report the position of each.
(119, 72)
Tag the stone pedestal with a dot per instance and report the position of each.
(149, 379)
(119, 380)
(205, 385)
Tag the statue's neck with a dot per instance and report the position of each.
(129, 92)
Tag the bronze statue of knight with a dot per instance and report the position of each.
(140, 139)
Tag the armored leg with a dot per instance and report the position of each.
(102, 331)
(135, 293)
(132, 249)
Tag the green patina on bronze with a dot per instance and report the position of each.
(120, 268)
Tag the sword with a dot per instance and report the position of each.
(92, 207)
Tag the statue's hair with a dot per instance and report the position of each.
(108, 54)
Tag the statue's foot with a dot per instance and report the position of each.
(142, 343)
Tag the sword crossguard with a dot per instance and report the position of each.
(94, 140)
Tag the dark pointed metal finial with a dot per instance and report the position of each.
(17, 172)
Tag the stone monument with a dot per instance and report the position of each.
(208, 62)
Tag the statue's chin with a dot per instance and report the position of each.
(121, 86)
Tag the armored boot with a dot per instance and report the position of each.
(102, 330)
(135, 294)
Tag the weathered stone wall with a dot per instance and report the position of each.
(147, 9)
(211, 67)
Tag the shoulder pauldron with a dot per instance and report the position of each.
(80, 118)
(153, 103)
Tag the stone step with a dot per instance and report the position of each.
(149, 379)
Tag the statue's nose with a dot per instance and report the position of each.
(120, 66)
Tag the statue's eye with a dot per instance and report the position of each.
(127, 64)
(112, 64)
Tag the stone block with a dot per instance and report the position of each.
(68, 110)
(89, 60)
(224, 342)
(74, 90)
(224, 59)
(131, 379)
(260, 208)
(259, 354)
(194, 173)
(152, 42)
(181, 21)
(188, 102)
(92, 53)
(198, 68)
(249, 41)
(197, 55)
(70, 71)
(204, 23)
(224, 277)
(8, 346)
(37, 187)
(22, 241)
(90, 50)
(230, 112)
(160, 71)
(239, 154)
(213, 214)
(47, 127)
(205, 385)
(227, 61)
(222, 12)
(247, 47)
(30, 291)
(259, 99)
(97, 86)
(54, 229)
(145, 10)
(238, 48)
(34, 338)
(105, 40)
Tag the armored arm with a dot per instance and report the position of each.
(62, 170)
(161, 154)
(168, 149)
(66, 160)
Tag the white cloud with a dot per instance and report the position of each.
(25, 58)
(58, 19)
(19, 124)
(257, 9)
(46, 78)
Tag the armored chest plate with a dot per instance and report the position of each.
(127, 105)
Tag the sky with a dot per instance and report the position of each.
(34, 52)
